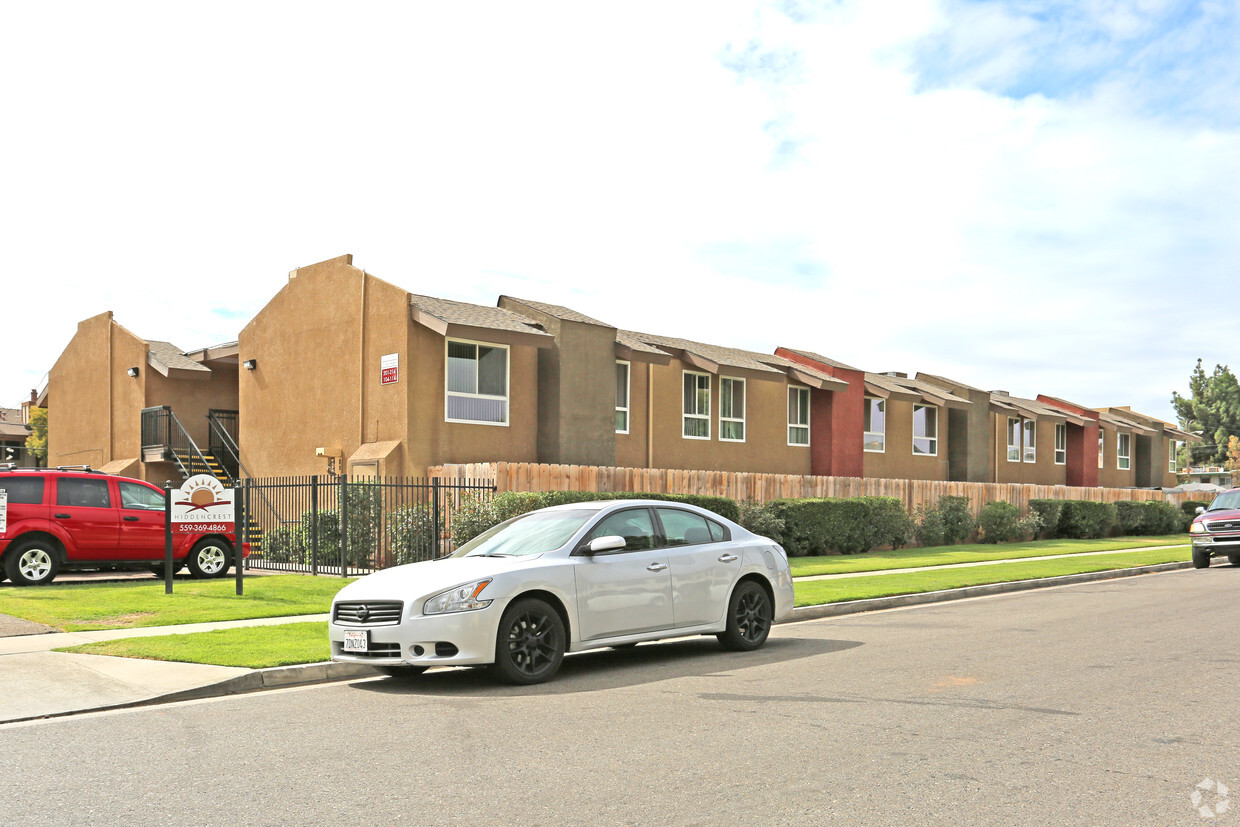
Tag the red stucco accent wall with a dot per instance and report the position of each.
(836, 420)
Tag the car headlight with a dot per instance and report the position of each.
(458, 599)
(1197, 528)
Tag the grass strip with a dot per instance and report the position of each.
(250, 647)
(79, 607)
(967, 553)
(818, 592)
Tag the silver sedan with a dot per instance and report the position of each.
(566, 579)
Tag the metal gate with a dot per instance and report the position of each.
(350, 526)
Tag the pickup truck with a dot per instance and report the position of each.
(1215, 531)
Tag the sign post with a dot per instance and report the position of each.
(168, 492)
(4, 511)
(202, 505)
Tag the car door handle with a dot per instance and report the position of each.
(656, 567)
(728, 558)
(63, 516)
(130, 519)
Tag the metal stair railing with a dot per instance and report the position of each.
(163, 432)
(223, 444)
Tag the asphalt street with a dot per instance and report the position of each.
(1104, 703)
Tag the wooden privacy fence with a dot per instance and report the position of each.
(526, 476)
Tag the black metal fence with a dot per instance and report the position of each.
(347, 526)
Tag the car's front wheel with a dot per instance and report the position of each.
(32, 563)
(749, 618)
(209, 558)
(529, 647)
(1201, 558)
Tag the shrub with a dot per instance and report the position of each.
(847, 526)
(411, 534)
(286, 544)
(1048, 514)
(761, 518)
(471, 517)
(948, 523)
(1190, 507)
(363, 505)
(1085, 519)
(999, 522)
(1148, 517)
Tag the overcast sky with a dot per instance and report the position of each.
(1038, 197)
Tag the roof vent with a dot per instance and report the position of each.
(895, 373)
(1001, 393)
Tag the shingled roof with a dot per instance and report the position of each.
(711, 358)
(809, 354)
(170, 360)
(453, 318)
(559, 311)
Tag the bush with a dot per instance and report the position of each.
(847, 526)
(999, 522)
(286, 544)
(363, 514)
(1085, 519)
(473, 516)
(761, 518)
(1048, 514)
(411, 534)
(948, 523)
(1139, 517)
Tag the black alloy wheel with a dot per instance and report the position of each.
(749, 618)
(530, 645)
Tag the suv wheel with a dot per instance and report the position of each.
(209, 558)
(1201, 558)
(32, 563)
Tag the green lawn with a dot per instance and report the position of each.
(251, 647)
(835, 590)
(78, 607)
(944, 555)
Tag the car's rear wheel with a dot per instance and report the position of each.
(404, 671)
(529, 647)
(1201, 558)
(209, 558)
(32, 563)
(749, 618)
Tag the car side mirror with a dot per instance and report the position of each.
(612, 542)
(1201, 509)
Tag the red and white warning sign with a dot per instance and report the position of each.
(389, 367)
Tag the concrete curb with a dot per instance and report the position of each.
(276, 677)
(896, 601)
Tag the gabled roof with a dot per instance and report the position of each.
(711, 358)
(901, 387)
(944, 381)
(453, 318)
(11, 423)
(1035, 409)
(559, 311)
(172, 362)
(809, 354)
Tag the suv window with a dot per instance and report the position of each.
(138, 496)
(83, 493)
(23, 490)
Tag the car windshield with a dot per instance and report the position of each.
(1226, 500)
(532, 533)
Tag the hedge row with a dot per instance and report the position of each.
(846, 526)
(1085, 519)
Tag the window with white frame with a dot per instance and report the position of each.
(1173, 455)
(731, 409)
(477, 383)
(696, 405)
(926, 430)
(875, 416)
(798, 415)
(1061, 444)
(622, 397)
(1030, 427)
(1102, 443)
(1013, 439)
(1123, 457)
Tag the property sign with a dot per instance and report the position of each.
(202, 505)
(389, 367)
(4, 511)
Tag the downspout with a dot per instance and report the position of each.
(361, 372)
(649, 415)
(111, 381)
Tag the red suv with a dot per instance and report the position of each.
(62, 518)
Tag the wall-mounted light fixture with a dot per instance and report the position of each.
(132, 371)
(250, 364)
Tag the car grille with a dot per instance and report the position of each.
(376, 650)
(1223, 525)
(368, 612)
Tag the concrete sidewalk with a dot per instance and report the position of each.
(38, 682)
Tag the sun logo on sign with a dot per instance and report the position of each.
(204, 494)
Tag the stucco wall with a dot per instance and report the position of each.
(631, 447)
(1042, 472)
(898, 460)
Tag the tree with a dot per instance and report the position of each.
(37, 441)
(1213, 409)
(1233, 457)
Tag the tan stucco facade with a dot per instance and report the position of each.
(897, 460)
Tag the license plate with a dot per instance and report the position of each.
(356, 640)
